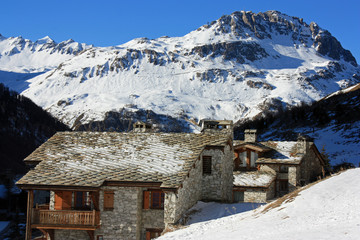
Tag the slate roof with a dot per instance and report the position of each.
(253, 179)
(88, 159)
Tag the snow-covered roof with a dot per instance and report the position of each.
(88, 159)
(282, 152)
(253, 179)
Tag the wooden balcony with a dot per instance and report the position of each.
(65, 219)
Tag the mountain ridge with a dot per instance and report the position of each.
(232, 68)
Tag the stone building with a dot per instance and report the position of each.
(107, 185)
(264, 170)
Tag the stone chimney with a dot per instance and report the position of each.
(301, 145)
(216, 126)
(142, 127)
(250, 135)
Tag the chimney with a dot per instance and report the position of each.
(217, 126)
(250, 135)
(301, 144)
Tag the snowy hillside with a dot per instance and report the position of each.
(326, 210)
(22, 59)
(333, 122)
(233, 68)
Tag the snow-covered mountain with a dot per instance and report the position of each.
(233, 68)
(22, 59)
(326, 210)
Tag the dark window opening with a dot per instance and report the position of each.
(283, 186)
(206, 165)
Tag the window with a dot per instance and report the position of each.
(154, 199)
(238, 196)
(108, 200)
(153, 233)
(82, 200)
(206, 165)
(247, 159)
(253, 158)
(99, 237)
(242, 157)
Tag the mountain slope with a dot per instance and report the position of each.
(24, 127)
(233, 68)
(326, 210)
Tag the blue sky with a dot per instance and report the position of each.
(110, 22)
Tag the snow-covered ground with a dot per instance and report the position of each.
(327, 210)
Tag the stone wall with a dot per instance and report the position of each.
(176, 204)
(121, 222)
(71, 234)
(271, 191)
(218, 185)
(228, 177)
(255, 195)
(52, 200)
(311, 167)
(195, 187)
(293, 177)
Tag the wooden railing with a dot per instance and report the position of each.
(66, 217)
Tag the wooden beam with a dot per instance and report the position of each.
(57, 188)
(30, 203)
(69, 227)
(132, 184)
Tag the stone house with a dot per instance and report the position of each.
(107, 185)
(265, 170)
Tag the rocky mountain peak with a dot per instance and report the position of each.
(245, 25)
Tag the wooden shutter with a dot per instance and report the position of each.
(146, 199)
(63, 200)
(67, 197)
(95, 199)
(58, 200)
(108, 200)
(148, 235)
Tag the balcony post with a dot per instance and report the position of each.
(30, 203)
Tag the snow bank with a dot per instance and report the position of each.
(327, 210)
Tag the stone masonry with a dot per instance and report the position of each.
(217, 186)
(221, 177)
